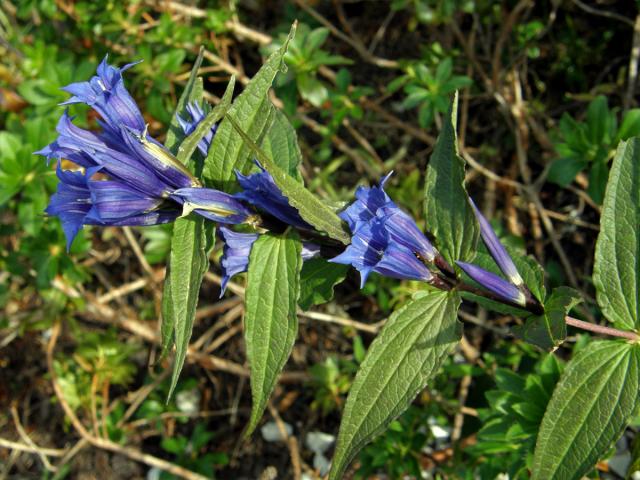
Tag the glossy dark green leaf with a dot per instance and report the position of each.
(270, 319)
(617, 259)
(404, 356)
(595, 400)
(447, 211)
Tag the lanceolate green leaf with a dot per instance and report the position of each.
(192, 239)
(406, 354)
(311, 208)
(270, 319)
(192, 93)
(189, 144)
(188, 262)
(254, 113)
(281, 144)
(617, 260)
(446, 208)
(594, 401)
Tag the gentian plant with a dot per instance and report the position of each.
(212, 170)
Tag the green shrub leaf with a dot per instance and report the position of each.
(191, 241)
(617, 259)
(592, 404)
(406, 354)
(447, 211)
(281, 145)
(270, 320)
(549, 330)
(317, 279)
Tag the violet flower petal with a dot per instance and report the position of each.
(494, 283)
(496, 249)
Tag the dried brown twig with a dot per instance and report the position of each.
(103, 443)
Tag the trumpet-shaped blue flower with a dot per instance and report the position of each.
(80, 201)
(496, 249)
(236, 251)
(373, 250)
(374, 203)
(212, 204)
(235, 254)
(260, 190)
(107, 95)
(197, 114)
(492, 282)
(145, 183)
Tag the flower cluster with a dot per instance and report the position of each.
(129, 178)
(125, 177)
(385, 239)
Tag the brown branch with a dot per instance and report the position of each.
(632, 77)
(602, 330)
(103, 443)
(290, 440)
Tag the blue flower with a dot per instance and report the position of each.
(492, 282)
(373, 250)
(145, 183)
(496, 249)
(197, 114)
(372, 203)
(235, 254)
(107, 95)
(236, 251)
(80, 201)
(260, 190)
(212, 204)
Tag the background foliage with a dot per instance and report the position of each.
(546, 93)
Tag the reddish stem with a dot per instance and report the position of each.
(592, 327)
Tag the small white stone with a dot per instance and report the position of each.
(154, 473)
(188, 401)
(321, 463)
(271, 433)
(319, 442)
